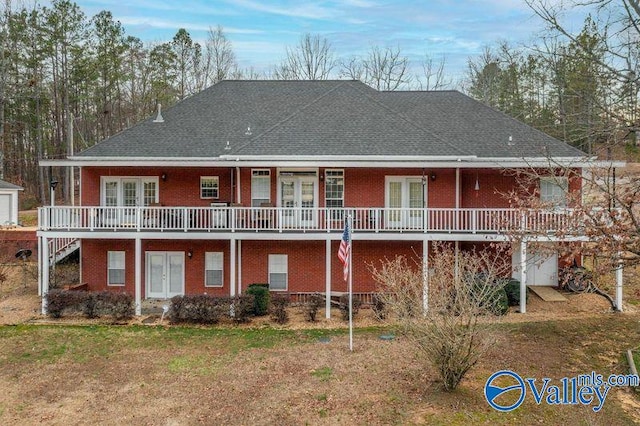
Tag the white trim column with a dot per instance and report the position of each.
(239, 266)
(44, 266)
(523, 277)
(232, 267)
(40, 264)
(327, 279)
(425, 275)
(137, 261)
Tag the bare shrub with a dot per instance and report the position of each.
(458, 326)
(312, 306)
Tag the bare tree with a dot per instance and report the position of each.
(352, 68)
(454, 333)
(311, 59)
(433, 76)
(386, 68)
(221, 55)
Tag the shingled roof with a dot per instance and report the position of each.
(7, 185)
(327, 118)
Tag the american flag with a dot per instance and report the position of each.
(345, 250)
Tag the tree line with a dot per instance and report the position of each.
(68, 81)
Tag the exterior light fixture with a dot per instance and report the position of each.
(163, 176)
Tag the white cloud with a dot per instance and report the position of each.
(189, 26)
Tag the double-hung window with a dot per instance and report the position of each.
(553, 190)
(115, 267)
(209, 186)
(278, 271)
(213, 276)
(260, 187)
(334, 192)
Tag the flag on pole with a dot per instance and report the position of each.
(345, 250)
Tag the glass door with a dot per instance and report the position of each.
(165, 274)
(298, 201)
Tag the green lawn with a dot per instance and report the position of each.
(191, 375)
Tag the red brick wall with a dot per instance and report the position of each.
(13, 240)
(363, 187)
(94, 263)
(181, 187)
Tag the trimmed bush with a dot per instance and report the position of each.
(243, 307)
(344, 306)
(91, 304)
(197, 308)
(279, 312)
(312, 306)
(261, 295)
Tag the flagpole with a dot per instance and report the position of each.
(350, 221)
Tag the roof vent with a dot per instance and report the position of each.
(248, 132)
(227, 146)
(159, 118)
(510, 143)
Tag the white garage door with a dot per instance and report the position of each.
(5, 208)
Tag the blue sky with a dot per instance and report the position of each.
(261, 30)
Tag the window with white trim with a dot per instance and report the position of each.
(260, 187)
(278, 272)
(553, 190)
(334, 188)
(213, 273)
(209, 186)
(115, 267)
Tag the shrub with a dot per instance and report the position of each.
(312, 306)
(379, 306)
(513, 292)
(279, 312)
(261, 301)
(118, 305)
(243, 307)
(91, 304)
(60, 300)
(198, 308)
(344, 306)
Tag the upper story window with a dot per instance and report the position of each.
(129, 191)
(209, 186)
(260, 187)
(553, 190)
(334, 188)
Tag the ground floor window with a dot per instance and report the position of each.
(278, 271)
(115, 268)
(213, 269)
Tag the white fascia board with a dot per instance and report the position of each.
(336, 162)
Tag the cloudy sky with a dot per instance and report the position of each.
(261, 30)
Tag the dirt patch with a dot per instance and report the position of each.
(19, 300)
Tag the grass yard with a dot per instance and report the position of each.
(94, 374)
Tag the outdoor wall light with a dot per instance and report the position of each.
(190, 253)
(432, 176)
(163, 176)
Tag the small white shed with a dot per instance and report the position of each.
(9, 203)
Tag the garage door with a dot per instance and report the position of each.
(5, 208)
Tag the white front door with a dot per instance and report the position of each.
(165, 274)
(298, 199)
(405, 199)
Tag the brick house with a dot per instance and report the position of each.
(250, 182)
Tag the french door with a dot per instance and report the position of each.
(405, 199)
(165, 274)
(298, 199)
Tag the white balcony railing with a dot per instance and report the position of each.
(280, 219)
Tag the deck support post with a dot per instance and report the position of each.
(523, 277)
(327, 279)
(619, 279)
(44, 274)
(138, 276)
(232, 267)
(425, 275)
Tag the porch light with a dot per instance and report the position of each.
(432, 176)
(163, 176)
(477, 187)
(190, 253)
(53, 183)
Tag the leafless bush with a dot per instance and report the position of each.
(458, 326)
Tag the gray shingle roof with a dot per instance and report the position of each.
(313, 118)
(7, 185)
